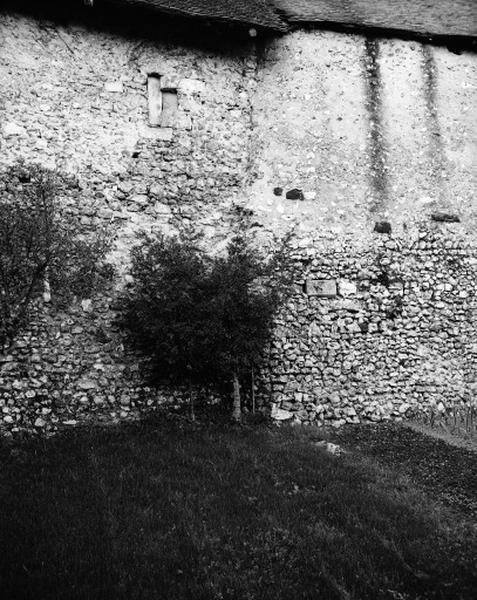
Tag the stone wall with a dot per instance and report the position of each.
(73, 97)
(354, 131)
(379, 330)
(364, 147)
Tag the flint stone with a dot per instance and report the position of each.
(87, 305)
(87, 384)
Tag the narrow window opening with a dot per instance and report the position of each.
(169, 108)
(154, 99)
(163, 103)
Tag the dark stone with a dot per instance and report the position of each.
(278, 191)
(442, 217)
(295, 195)
(382, 227)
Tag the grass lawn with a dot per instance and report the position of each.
(169, 510)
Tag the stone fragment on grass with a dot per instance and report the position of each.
(334, 449)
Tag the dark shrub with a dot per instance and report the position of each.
(202, 319)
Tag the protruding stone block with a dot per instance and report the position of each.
(382, 227)
(295, 194)
(325, 288)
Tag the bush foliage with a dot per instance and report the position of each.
(41, 248)
(202, 319)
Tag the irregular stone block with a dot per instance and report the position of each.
(347, 288)
(325, 288)
(11, 129)
(279, 414)
(295, 194)
(442, 217)
(170, 82)
(87, 384)
(351, 306)
(382, 227)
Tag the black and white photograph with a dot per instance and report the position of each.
(238, 299)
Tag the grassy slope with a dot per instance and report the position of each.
(174, 511)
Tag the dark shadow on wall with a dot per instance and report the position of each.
(434, 141)
(376, 143)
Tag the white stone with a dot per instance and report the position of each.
(192, 86)
(309, 195)
(87, 305)
(11, 129)
(40, 422)
(115, 87)
(347, 288)
(158, 133)
(279, 414)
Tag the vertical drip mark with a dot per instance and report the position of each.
(436, 154)
(373, 101)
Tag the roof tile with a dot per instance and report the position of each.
(258, 13)
(422, 17)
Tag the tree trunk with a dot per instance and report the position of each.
(191, 404)
(253, 391)
(237, 407)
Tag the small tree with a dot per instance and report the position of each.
(202, 319)
(40, 245)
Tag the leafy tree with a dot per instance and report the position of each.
(41, 249)
(202, 319)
